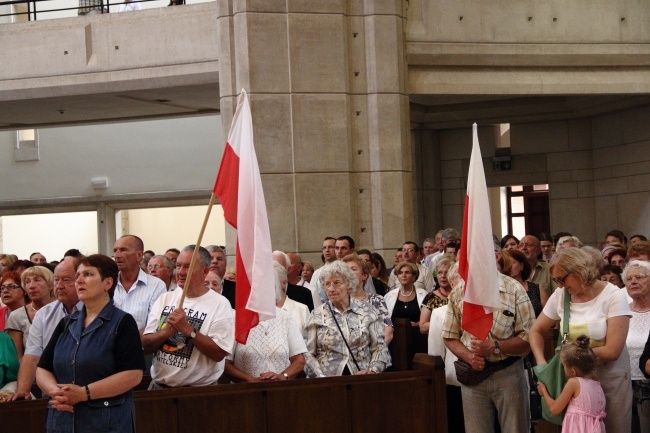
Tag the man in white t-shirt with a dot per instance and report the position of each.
(129, 6)
(189, 343)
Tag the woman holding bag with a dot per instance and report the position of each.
(599, 310)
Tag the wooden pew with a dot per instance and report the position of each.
(409, 401)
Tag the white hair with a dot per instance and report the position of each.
(281, 257)
(280, 277)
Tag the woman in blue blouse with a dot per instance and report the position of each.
(94, 358)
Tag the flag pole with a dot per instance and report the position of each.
(196, 251)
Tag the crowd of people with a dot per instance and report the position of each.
(86, 329)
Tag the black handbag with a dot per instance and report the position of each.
(534, 395)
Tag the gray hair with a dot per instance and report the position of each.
(166, 259)
(282, 256)
(635, 264)
(596, 256)
(215, 249)
(338, 267)
(280, 276)
(564, 239)
(204, 257)
(450, 233)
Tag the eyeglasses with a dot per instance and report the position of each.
(156, 267)
(334, 284)
(66, 281)
(10, 287)
(628, 279)
(561, 281)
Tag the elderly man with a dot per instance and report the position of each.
(448, 236)
(428, 247)
(189, 343)
(411, 253)
(297, 293)
(136, 291)
(44, 323)
(529, 246)
(505, 390)
(161, 267)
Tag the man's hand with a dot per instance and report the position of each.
(178, 320)
(482, 348)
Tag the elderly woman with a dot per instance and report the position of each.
(636, 275)
(344, 336)
(438, 297)
(306, 274)
(361, 271)
(94, 358)
(517, 266)
(274, 349)
(12, 295)
(601, 311)
(38, 282)
(404, 301)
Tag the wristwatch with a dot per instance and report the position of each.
(497, 349)
(286, 376)
(192, 335)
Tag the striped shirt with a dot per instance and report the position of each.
(140, 297)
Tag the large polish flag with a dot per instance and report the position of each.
(239, 188)
(477, 263)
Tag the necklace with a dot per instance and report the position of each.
(31, 305)
(401, 292)
(639, 311)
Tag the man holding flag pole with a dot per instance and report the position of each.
(487, 322)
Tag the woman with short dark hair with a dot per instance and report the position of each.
(94, 358)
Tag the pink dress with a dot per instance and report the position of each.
(585, 414)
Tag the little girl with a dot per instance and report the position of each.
(582, 391)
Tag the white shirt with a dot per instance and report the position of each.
(424, 281)
(140, 297)
(270, 346)
(313, 290)
(43, 325)
(391, 298)
(178, 362)
(299, 312)
(128, 7)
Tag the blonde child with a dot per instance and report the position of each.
(582, 392)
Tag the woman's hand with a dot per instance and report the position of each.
(270, 376)
(362, 372)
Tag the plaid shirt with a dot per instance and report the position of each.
(86, 6)
(514, 320)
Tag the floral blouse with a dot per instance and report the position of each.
(379, 305)
(327, 354)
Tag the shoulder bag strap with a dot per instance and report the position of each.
(565, 320)
(342, 336)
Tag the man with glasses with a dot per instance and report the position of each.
(411, 253)
(161, 267)
(540, 274)
(45, 322)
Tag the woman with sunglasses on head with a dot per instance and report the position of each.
(599, 310)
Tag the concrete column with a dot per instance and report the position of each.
(327, 87)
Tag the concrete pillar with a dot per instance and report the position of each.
(327, 87)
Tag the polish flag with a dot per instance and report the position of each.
(239, 188)
(477, 264)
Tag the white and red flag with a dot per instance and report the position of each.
(239, 188)
(477, 264)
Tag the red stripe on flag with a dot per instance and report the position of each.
(226, 187)
(476, 321)
(245, 320)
